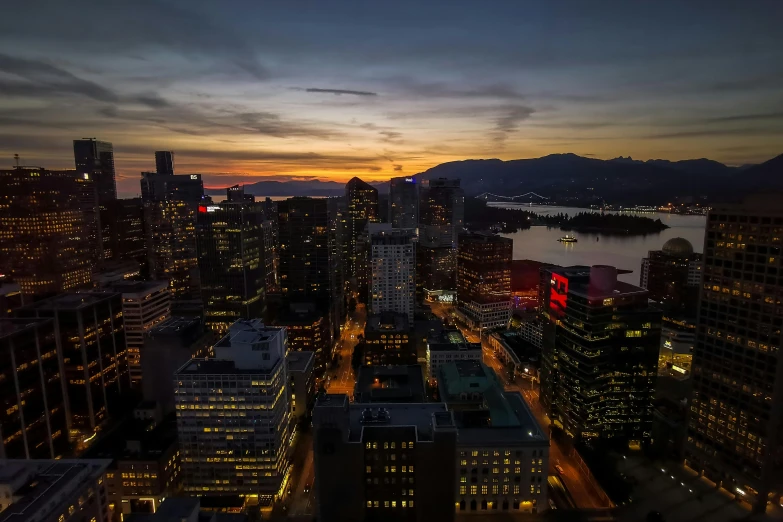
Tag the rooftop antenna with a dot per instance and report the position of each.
(16, 159)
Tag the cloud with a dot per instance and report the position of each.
(716, 132)
(509, 122)
(746, 117)
(398, 168)
(338, 92)
(390, 136)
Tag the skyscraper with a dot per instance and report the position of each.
(231, 260)
(171, 203)
(441, 216)
(735, 437)
(393, 272)
(362, 208)
(672, 275)
(43, 234)
(96, 159)
(404, 202)
(233, 415)
(484, 280)
(124, 236)
(164, 162)
(599, 356)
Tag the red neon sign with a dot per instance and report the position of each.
(202, 209)
(558, 293)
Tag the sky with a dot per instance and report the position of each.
(250, 90)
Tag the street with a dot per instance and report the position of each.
(342, 378)
(302, 503)
(585, 493)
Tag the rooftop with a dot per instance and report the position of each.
(247, 332)
(175, 326)
(386, 322)
(403, 383)
(596, 282)
(74, 301)
(9, 326)
(137, 288)
(149, 441)
(450, 339)
(300, 361)
(221, 367)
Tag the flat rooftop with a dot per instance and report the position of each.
(450, 339)
(153, 443)
(175, 325)
(525, 430)
(11, 326)
(248, 331)
(74, 301)
(222, 367)
(300, 361)
(403, 383)
(386, 322)
(137, 287)
(597, 282)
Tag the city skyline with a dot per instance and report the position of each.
(377, 91)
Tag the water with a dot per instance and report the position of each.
(540, 243)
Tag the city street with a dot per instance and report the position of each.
(301, 503)
(342, 378)
(586, 494)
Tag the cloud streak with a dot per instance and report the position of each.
(339, 92)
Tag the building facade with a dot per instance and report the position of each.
(234, 417)
(672, 275)
(392, 272)
(307, 330)
(301, 383)
(231, 260)
(377, 462)
(96, 159)
(599, 356)
(734, 434)
(164, 162)
(362, 208)
(484, 280)
(404, 202)
(388, 340)
(124, 237)
(449, 346)
(441, 218)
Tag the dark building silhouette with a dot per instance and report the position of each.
(484, 279)
(362, 208)
(383, 461)
(404, 202)
(34, 416)
(672, 275)
(735, 435)
(44, 243)
(124, 237)
(308, 330)
(388, 340)
(441, 217)
(394, 383)
(231, 260)
(164, 162)
(91, 343)
(96, 159)
(599, 355)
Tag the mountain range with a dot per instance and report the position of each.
(567, 178)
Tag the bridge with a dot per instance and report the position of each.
(528, 196)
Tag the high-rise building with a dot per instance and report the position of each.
(43, 233)
(441, 217)
(672, 275)
(308, 261)
(231, 260)
(362, 208)
(599, 355)
(270, 234)
(145, 304)
(124, 236)
(96, 159)
(393, 272)
(164, 162)
(233, 415)
(735, 438)
(388, 340)
(376, 462)
(91, 344)
(307, 330)
(171, 203)
(502, 451)
(34, 422)
(404, 202)
(484, 280)
(449, 346)
(301, 383)
(48, 490)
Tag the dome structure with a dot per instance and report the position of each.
(678, 246)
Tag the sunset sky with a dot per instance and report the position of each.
(243, 90)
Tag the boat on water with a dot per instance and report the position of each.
(567, 239)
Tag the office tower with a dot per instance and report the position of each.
(96, 159)
(362, 208)
(301, 383)
(503, 453)
(404, 202)
(166, 348)
(378, 462)
(145, 304)
(446, 346)
(734, 435)
(164, 162)
(48, 490)
(271, 255)
(124, 237)
(388, 340)
(10, 298)
(34, 423)
(393, 272)
(87, 188)
(91, 343)
(307, 330)
(441, 217)
(230, 258)
(145, 462)
(484, 280)
(394, 383)
(672, 275)
(43, 233)
(171, 203)
(233, 415)
(599, 356)
(307, 257)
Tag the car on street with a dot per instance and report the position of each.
(307, 488)
(559, 469)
